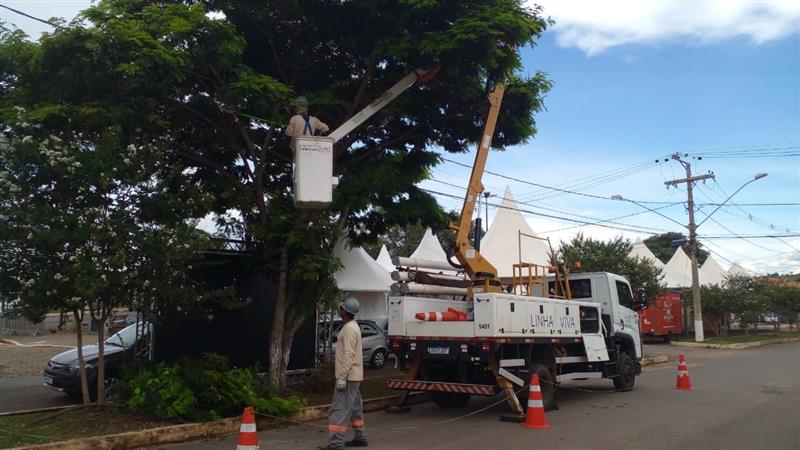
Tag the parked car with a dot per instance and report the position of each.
(63, 371)
(374, 343)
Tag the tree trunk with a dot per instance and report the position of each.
(277, 367)
(101, 358)
(78, 314)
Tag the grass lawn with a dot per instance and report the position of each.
(26, 429)
(751, 338)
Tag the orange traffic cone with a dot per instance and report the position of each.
(535, 417)
(451, 315)
(684, 382)
(248, 438)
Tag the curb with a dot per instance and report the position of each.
(651, 360)
(741, 346)
(196, 431)
(38, 410)
(17, 344)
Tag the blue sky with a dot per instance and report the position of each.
(635, 81)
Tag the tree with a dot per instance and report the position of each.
(218, 92)
(784, 300)
(612, 256)
(663, 246)
(83, 218)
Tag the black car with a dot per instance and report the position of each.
(63, 371)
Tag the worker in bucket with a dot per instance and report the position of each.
(301, 124)
(347, 408)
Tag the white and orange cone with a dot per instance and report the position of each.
(535, 418)
(248, 437)
(684, 382)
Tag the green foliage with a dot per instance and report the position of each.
(214, 93)
(612, 256)
(662, 247)
(202, 389)
(745, 300)
(162, 393)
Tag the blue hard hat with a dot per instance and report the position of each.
(350, 305)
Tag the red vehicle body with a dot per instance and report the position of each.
(663, 317)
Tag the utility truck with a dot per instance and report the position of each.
(474, 334)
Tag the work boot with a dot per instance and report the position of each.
(356, 443)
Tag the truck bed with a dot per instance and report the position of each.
(495, 316)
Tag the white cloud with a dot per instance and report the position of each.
(595, 26)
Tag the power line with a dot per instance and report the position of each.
(752, 236)
(600, 197)
(631, 228)
(21, 13)
(566, 219)
(595, 220)
(566, 191)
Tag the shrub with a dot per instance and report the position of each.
(203, 389)
(160, 392)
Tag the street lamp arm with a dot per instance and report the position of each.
(758, 176)
(619, 197)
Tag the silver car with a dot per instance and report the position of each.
(374, 343)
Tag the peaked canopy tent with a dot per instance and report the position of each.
(737, 271)
(678, 270)
(641, 251)
(711, 273)
(365, 279)
(385, 260)
(429, 248)
(502, 246)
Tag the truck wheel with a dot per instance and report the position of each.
(546, 384)
(626, 373)
(449, 400)
(668, 338)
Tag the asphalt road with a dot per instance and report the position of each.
(28, 393)
(744, 399)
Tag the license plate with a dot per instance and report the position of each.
(439, 349)
(48, 380)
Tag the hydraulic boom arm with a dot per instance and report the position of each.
(479, 270)
(377, 104)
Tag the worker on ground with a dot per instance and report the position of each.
(347, 408)
(301, 124)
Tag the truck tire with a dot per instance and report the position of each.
(449, 400)
(546, 384)
(626, 373)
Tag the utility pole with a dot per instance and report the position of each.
(690, 181)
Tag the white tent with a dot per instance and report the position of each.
(678, 271)
(385, 260)
(430, 248)
(641, 251)
(737, 271)
(501, 245)
(363, 278)
(711, 272)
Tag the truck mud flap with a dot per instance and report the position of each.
(439, 386)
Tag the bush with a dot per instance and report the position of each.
(202, 389)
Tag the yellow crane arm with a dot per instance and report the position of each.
(477, 267)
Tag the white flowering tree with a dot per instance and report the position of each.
(86, 227)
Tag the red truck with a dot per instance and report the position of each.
(663, 317)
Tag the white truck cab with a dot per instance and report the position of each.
(614, 294)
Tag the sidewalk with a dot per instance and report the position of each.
(25, 356)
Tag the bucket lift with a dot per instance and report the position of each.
(313, 155)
